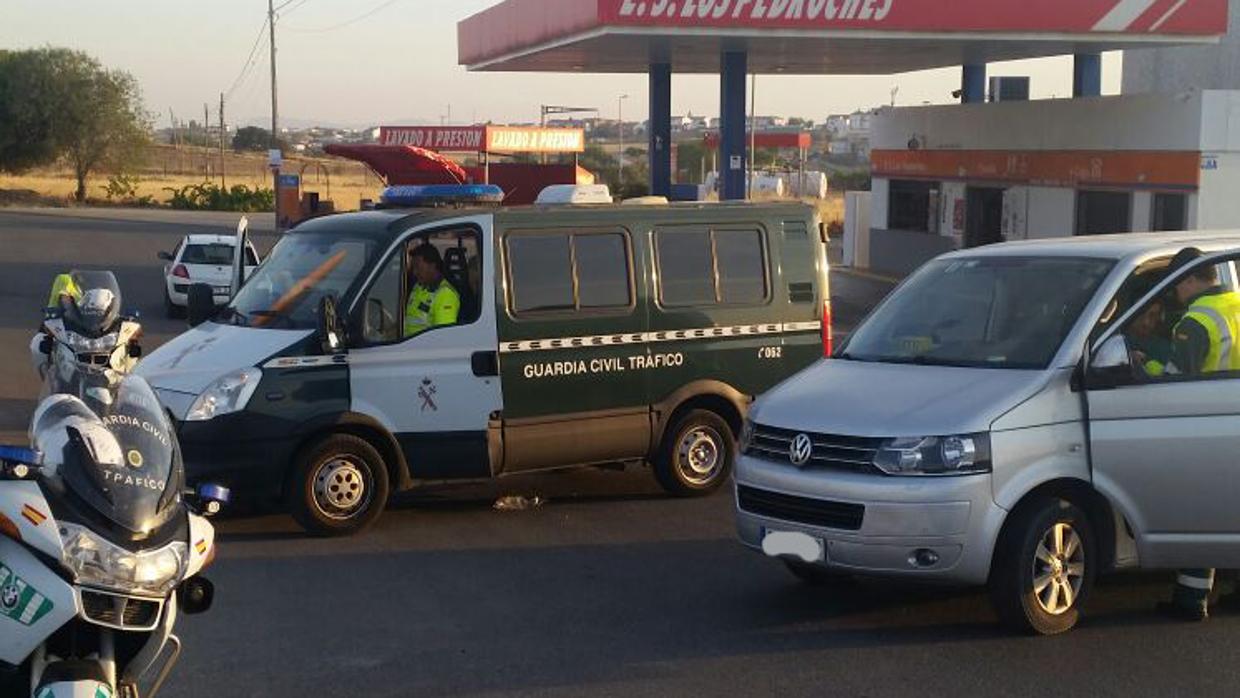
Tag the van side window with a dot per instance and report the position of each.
(602, 263)
(382, 311)
(742, 269)
(385, 306)
(711, 267)
(542, 273)
(569, 272)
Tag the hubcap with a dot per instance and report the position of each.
(340, 488)
(1058, 569)
(700, 455)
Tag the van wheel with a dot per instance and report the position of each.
(816, 575)
(696, 456)
(1044, 568)
(339, 486)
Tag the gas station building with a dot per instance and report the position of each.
(943, 176)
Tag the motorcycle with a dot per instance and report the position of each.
(86, 329)
(101, 546)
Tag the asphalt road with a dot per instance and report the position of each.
(609, 589)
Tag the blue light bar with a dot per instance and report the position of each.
(23, 456)
(433, 195)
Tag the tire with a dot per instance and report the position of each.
(338, 486)
(696, 456)
(1044, 568)
(173, 311)
(816, 575)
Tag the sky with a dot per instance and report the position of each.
(369, 62)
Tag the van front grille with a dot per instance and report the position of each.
(848, 453)
(802, 510)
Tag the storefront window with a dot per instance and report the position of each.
(913, 206)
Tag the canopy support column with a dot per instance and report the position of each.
(973, 84)
(1087, 75)
(732, 148)
(660, 134)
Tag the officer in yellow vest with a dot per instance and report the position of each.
(1204, 342)
(433, 302)
(63, 287)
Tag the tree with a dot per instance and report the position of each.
(59, 103)
(255, 138)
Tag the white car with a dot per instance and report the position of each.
(205, 259)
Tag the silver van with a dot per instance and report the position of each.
(993, 422)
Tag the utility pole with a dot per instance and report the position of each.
(223, 183)
(275, 120)
(620, 102)
(206, 141)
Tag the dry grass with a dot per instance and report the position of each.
(343, 181)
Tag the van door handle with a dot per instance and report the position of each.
(485, 363)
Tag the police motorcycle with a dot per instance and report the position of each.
(85, 328)
(101, 547)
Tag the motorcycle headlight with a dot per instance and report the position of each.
(225, 396)
(935, 455)
(97, 562)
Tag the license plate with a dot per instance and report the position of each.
(793, 544)
(223, 290)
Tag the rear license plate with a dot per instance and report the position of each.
(223, 290)
(793, 544)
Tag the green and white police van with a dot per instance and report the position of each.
(588, 335)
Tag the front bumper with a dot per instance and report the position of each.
(874, 524)
(231, 451)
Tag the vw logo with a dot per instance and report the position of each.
(801, 450)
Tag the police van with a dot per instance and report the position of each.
(587, 334)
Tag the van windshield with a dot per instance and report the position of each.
(990, 312)
(284, 292)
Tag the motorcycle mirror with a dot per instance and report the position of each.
(46, 345)
(135, 351)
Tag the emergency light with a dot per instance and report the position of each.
(437, 195)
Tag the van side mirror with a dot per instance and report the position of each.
(200, 306)
(1111, 365)
(331, 330)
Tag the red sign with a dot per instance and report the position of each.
(1194, 17)
(769, 139)
(464, 139)
(491, 139)
(1142, 170)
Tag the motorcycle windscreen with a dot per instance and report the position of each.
(127, 465)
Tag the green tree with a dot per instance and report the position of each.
(255, 138)
(58, 103)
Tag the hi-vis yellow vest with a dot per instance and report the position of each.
(1220, 315)
(63, 285)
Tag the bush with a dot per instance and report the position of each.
(123, 189)
(212, 197)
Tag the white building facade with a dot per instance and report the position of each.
(948, 177)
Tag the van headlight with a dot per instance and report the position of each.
(935, 455)
(225, 396)
(94, 561)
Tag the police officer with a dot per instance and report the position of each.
(63, 287)
(433, 302)
(1203, 342)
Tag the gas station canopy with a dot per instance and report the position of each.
(856, 37)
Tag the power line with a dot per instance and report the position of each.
(296, 5)
(249, 62)
(342, 25)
